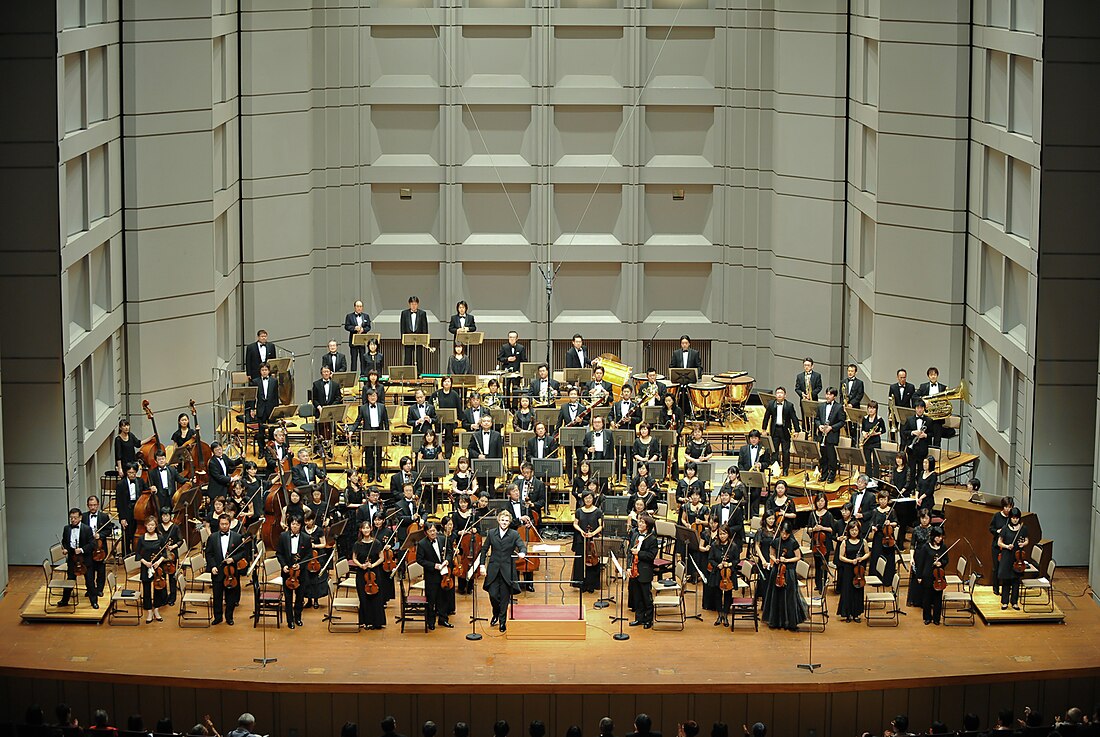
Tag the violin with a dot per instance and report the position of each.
(78, 564)
(1019, 560)
(591, 555)
(781, 576)
(231, 571)
(314, 564)
(100, 553)
(370, 582)
(859, 575)
(634, 567)
(389, 560)
(160, 580)
(820, 540)
(726, 578)
(293, 577)
(939, 579)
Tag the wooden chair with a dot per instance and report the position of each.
(191, 603)
(60, 586)
(1041, 589)
(268, 595)
(744, 602)
(338, 605)
(885, 602)
(414, 606)
(958, 606)
(118, 611)
(669, 600)
(59, 562)
(958, 578)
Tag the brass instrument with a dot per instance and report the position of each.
(648, 393)
(938, 407)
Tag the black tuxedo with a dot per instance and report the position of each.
(573, 359)
(428, 559)
(855, 393)
(215, 558)
(416, 413)
(920, 448)
(800, 385)
(902, 396)
(549, 448)
(501, 578)
(351, 322)
(735, 517)
(781, 434)
(397, 486)
(926, 388)
(318, 394)
(295, 598)
(252, 359)
(165, 491)
(608, 451)
(471, 422)
(453, 325)
(338, 362)
(536, 494)
(219, 476)
(267, 401)
(125, 506)
(507, 351)
(937, 425)
(656, 401)
(408, 328)
(536, 388)
(744, 457)
(865, 506)
(476, 446)
(271, 455)
(299, 478)
(363, 422)
(574, 454)
(833, 416)
(101, 529)
(604, 384)
(407, 510)
(86, 543)
(693, 360)
(627, 420)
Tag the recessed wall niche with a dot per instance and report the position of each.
(590, 57)
(412, 221)
(585, 216)
(486, 216)
(672, 221)
(497, 57)
(679, 292)
(681, 136)
(405, 135)
(504, 131)
(403, 56)
(585, 136)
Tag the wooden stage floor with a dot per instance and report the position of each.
(854, 657)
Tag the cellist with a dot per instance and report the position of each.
(78, 541)
(101, 528)
(129, 490)
(223, 550)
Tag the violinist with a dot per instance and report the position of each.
(926, 561)
(79, 543)
(531, 490)
(840, 532)
(214, 513)
(366, 555)
(922, 535)
(695, 511)
(129, 489)
(572, 414)
(688, 482)
(446, 398)
(295, 507)
(403, 477)
(421, 415)
(587, 526)
(883, 529)
(223, 550)
(820, 523)
(697, 449)
(738, 496)
(251, 485)
(780, 504)
(305, 473)
(276, 451)
(384, 578)
(642, 553)
(637, 510)
(319, 505)
(851, 552)
(730, 512)
(127, 446)
(409, 512)
(218, 470)
(235, 523)
(315, 583)
(763, 541)
(1013, 539)
(541, 445)
(926, 484)
(173, 538)
(694, 514)
(99, 523)
(370, 508)
(463, 519)
(995, 526)
(150, 552)
(293, 550)
(784, 607)
(523, 419)
(373, 360)
(644, 492)
(641, 473)
(165, 480)
(449, 541)
(672, 418)
(462, 481)
(646, 450)
(431, 554)
(498, 567)
(429, 449)
(722, 561)
(372, 416)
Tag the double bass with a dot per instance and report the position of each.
(146, 504)
(274, 503)
(198, 451)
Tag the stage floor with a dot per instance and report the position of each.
(310, 659)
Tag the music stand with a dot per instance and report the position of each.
(464, 381)
(615, 506)
(578, 375)
(360, 340)
(766, 443)
(809, 409)
(346, 379)
(656, 470)
(529, 370)
(765, 397)
(433, 471)
(373, 439)
(283, 411)
(855, 414)
(487, 468)
(468, 339)
(705, 471)
(547, 416)
(602, 469)
(807, 450)
(243, 394)
(652, 415)
(851, 457)
(754, 480)
(667, 438)
(519, 438)
(683, 375)
(572, 437)
(886, 457)
(546, 468)
(499, 415)
(280, 365)
(498, 506)
(690, 539)
(446, 416)
(602, 411)
(403, 373)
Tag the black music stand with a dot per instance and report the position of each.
(418, 341)
(602, 469)
(485, 469)
(656, 470)
(652, 415)
(518, 439)
(547, 416)
(614, 506)
(373, 439)
(850, 457)
(624, 442)
(807, 450)
(620, 635)
(886, 458)
(546, 469)
(578, 376)
(433, 471)
(690, 538)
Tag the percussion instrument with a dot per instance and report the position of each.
(641, 380)
(616, 373)
(739, 389)
(706, 395)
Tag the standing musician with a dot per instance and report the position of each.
(830, 418)
(578, 355)
(686, 357)
(672, 418)
(541, 445)
(370, 508)
(366, 555)
(150, 552)
(807, 385)
(409, 511)
(486, 443)
(735, 489)
(625, 415)
(925, 561)
(293, 549)
(432, 555)
(509, 358)
(730, 512)
(587, 525)
(863, 501)
(784, 607)
(642, 490)
(78, 540)
(372, 416)
(853, 388)
(218, 470)
(523, 419)
(101, 528)
(458, 363)
(931, 388)
(276, 451)
(471, 418)
(643, 551)
(698, 449)
(462, 321)
(544, 390)
(570, 415)
(127, 446)
(781, 422)
(402, 477)
(223, 551)
(128, 490)
(995, 526)
(267, 398)
(421, 414)
(305, 472)
(754, 457)
(599, 388)
(646, 450)
(165, 480)
(851, 551)
(650, 393)
(1013, 537)
(883, 520)
(821, 525)
(373, 360)
(257, 353)
(871, 429)
(173, 538)
(915, 434)
(781, 506)
(723, 555)
(901, 391)
(447, 398)
(326, 392)
(532, 490)
(356, 322)
(413, 322)
(499, 567)
(597, 442)
(336, 361)
(373, 383)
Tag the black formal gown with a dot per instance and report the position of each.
(588, 577)
(851, 598)
(784, 607)
(371, 612)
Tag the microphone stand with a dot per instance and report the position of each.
(473, 634)
(263, 660)
(621, 618)
(810, 665)
(649, 345)
(702, 577)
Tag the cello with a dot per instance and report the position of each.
(274, 503)
(199, 451)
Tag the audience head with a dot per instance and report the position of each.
(642, 723)
(536, 729)
(758, 730)
(971, 723)
(720, 729)
(937, 728)
(429, 729)
(100, 719)
(607, 726)
(572, 731)
(388, 724)
(500, 728)
(350, 729)
(461, 729)
(135, 723)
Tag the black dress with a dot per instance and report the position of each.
(697, 450)
(448, 400)
(149, 550)
(878, 550)
(689, 516)
(588, 577)
(784, 607)
(468, 523)
(763, 543)
(915, 595)
(821, 562)
(927, 487)
(371, 612)
(523, 421)
(851, 598)
(1008, 577)
(713, 594)
(315, 585)
(126, 451)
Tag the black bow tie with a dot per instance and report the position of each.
(225, 534)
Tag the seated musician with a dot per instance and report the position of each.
(532, 490)
(599, 388)
(471, 418)
(277, 451)
(305, 472)
(698, 449)
(541, 445)
(373, 383)
(544, 390)
(402, 477)
(493, 397)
